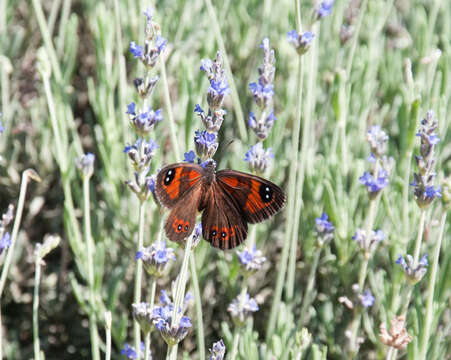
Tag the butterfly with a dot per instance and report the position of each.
(228, 199)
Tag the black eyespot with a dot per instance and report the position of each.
(179, 227)
(213, 233)
(186, 227)
(170, 174)
(265, 192)
(223, 234)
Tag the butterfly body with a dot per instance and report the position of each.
(228, 200)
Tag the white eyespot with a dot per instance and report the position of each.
(167, 179)
(267, 196)
(267, 188)
(170, 172)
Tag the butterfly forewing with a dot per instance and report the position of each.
(222, 223)
(258, 198)
(176, 181)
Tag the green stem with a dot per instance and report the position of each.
(405, 199)
(167, 99)
(234, 92)
(47, 40)
(306, 301)
(430, 291)
(416, 252)
(90, 255)
(415, 261)
(26, 176)
(199, 315)
(138, 276)
(290, 211)
(37, 279)
(108, 335)
(355, 39)
(180, 291)
(236, 341)
(147, 346)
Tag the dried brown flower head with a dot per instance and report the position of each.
(397, 337)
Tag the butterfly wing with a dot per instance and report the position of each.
(222, 223)
(181, 220)
(179, 187)
(257, 198)
(176, 181)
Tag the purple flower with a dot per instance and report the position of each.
(378, 141)
(262, 92)
(217, 352)
(258, 158)
(85, 164)
(136, 50)
(189, 156)
(414, 272)
(160, 43)
(242, 307)
(324, 9)
(142, 313)
(324, 229)
(251, 260)
(262, 126)
(219, 86)
(144, 122)
(155, 257)
(198, 109)
(1, 126)
(301, 42)
(367, 299)
(131, 109)
(368, 245)
(431, 192)
(129, 351)
(141, 153)
(5, 242)
(149, 13)
(162, 319)
(205, 143)
(374, 185)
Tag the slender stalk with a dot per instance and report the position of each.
(290, 211)
(65, 13)
(300, 178)
(108, 335)
(121, 63)
(234, 92)
(430, 291)
(138, 276)
(236, 336)
(167, 99)
(37, 279)
(306, 301)
(355, 38)
(416, 252)
(416, 255)
(147, 346)
(199, 315)
(90, 255)
(236, 341)
(389, 353)
(46, 37)
(180, 291)
(405, 198)
(26, 176)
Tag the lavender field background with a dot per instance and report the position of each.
(345, 105)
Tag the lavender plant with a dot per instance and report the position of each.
(346, 66)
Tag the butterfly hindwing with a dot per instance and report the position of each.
(181, 220)
(175, 181)
(257, 198)
(222, 224)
